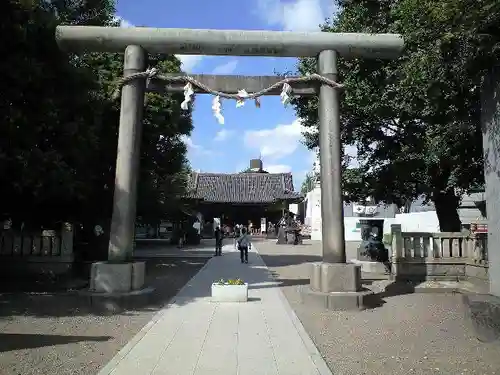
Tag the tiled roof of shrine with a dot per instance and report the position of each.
(244, 187)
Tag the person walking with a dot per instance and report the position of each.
(197, 227)
(219, 235)
(181, 236)
(244, 244)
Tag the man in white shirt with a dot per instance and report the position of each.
(197, 227)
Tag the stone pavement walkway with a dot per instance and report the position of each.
(195, 336)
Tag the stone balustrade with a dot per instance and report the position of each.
(45, 251)
(444, 255)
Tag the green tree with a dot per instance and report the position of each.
(59, 136)
(164, 167)
(47, 105)
(249, 170)
(416, 120)
(308, 183)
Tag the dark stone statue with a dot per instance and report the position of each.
(372, 247)
(281, 235)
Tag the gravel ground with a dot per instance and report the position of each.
(53, 333)
(409, 334)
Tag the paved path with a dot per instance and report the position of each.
(196, 336)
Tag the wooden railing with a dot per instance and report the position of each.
(437, 254)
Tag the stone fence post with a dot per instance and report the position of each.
(396, 246)
(67, 235)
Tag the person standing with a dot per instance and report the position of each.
(244, 244)
(197, 228)
(219, 235)
(237, 234)
(181, 236)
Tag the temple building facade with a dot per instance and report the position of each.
(253, 196)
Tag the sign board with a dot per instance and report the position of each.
(479, 228)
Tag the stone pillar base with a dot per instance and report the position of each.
(115, 287)
(370, 266)
(281, 240)
(483, 312)
(106, 277)
(336, 286)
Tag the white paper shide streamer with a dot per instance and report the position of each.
(242, 94)
(285, 94)
(216, 108)
(151, 72)
(188, 93)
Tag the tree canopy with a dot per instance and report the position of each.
(415, 121)
(60, 123)
(308, 183)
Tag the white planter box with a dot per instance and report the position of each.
(229, 293)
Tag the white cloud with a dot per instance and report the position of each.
(223, 135)
(278, 168)
(195, 146)
(123, 22)
(277, 142)
(189, 142)
(189, 62)
(226, 68)
(296, 15)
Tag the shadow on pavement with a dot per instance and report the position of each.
(229, 266)
(282, 283)
(156, 248)
(398, 287)
(393, 289)
(166, 275)
(17, 341)
(283, 260)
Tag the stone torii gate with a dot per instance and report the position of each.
(333, 282)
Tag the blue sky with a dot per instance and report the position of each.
(272, 131)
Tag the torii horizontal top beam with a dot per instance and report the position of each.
(232, 84)
(228, 42)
